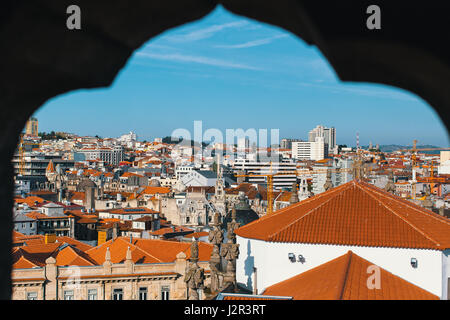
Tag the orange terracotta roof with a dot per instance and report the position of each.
(355, 213)
(130, 174)
(138, 210)
(70, 256)
(163, 231)
(50, 167)
(75, 195)
(197, 234)
(118, 249)
(345, 278)
(155, 190)
(39, 240)
(146, 250)
(30, 201)
(138, 275)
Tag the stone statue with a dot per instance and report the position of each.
(194, 250)
(194, 279)
(232, 226)
(195, 275)
(215, 235)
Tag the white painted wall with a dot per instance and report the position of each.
(445, 274)
(273, 265)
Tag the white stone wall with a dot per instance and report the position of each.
(273, 265)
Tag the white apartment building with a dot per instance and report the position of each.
(337, 177)
(307, 150)
(182, 170)
(112, 155)
(444, 167)
(128, 137)
(260, 168)
(328, 135)
(243, 144)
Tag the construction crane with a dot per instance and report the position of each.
(269, 176)
(414, 151)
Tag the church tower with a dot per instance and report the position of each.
(219, 192)
(303, 192)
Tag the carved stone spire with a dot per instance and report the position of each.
(215, 237)
(328, 183)
(427, 203)
(390, 185)
(195, 275)
(107, 256)
(294, 194)
(230, 251)
(128, 255)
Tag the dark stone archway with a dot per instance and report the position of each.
(40, 58)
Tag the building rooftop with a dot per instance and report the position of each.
(346, 278)
(355, 213)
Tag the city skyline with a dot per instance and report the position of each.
(276, 81)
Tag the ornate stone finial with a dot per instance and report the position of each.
(294, 194)
(195, 275)
(428, 203)
(215, 237)
(108, 255)
(328, 183)
(230, 251)
(442, 211)
(358, 167)
(128, 255)
(390, 185)
(232, 226)
(216, 219)
(215, 234)
(194, 250)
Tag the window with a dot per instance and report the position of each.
(143, 293)
(117, 294)
(23, 225)
(32, 296)
(165, 292)
(68, 295)
(31, 224)
(92, 294)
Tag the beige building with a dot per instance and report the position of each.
(120, 269)
(31, 128)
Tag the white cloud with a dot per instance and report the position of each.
(206, 32)
(253, 43)
(195, 59)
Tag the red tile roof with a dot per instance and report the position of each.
(355, 213)
(346, 278)
(146, 250)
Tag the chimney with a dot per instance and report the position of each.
(255, 278)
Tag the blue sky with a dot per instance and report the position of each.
(233, 72)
